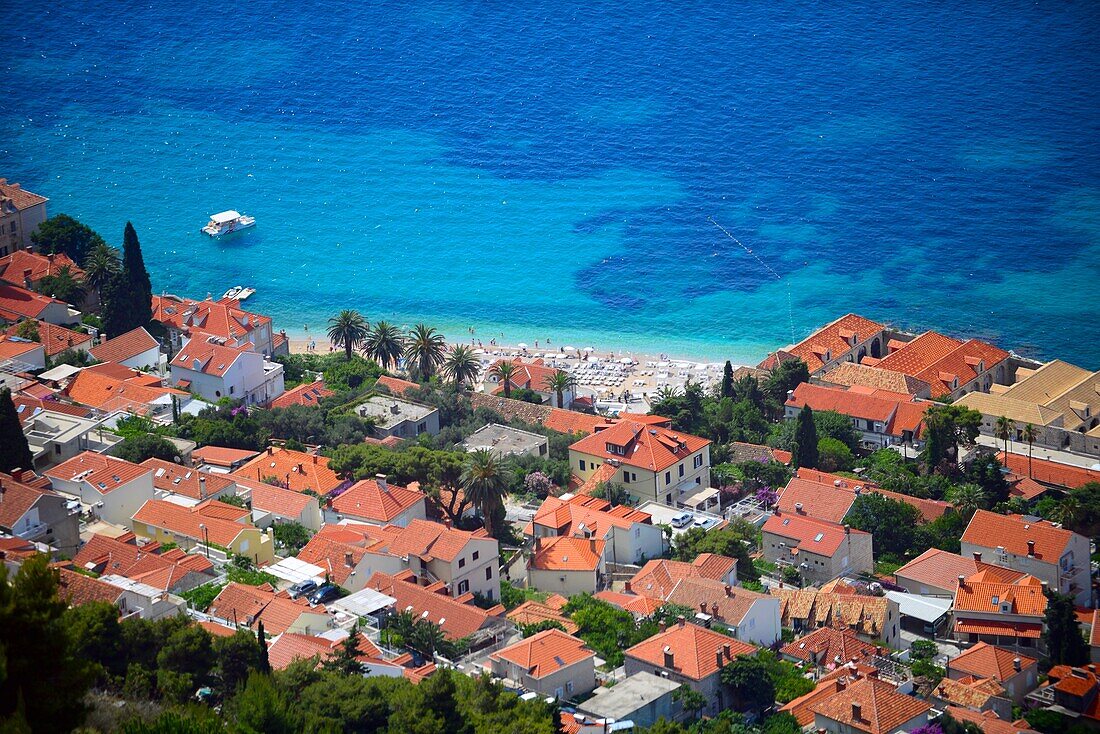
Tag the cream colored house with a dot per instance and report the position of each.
(207, 524)
(111, 489)
(550, 663)
(20, 214)
(649, 459)
(567, 565)
(821, 551)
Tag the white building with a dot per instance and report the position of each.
(136, 349)
(111, 488)
(215, 372)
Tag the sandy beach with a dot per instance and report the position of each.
(615, 379)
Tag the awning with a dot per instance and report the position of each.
(925, 608)
(1005, 629)
(223, 217)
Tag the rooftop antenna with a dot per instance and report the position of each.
(769, 268)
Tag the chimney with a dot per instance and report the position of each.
(726, 650)
(847, 529)
(718, 658)
(1017, 664)
(663, 627)
(857, 711)
(729, 590)
(703, 607)
(1031, 548)
(798, 508)
(50, 256)
(314, 458)
(669, 658)
(626, 587)
(962, 581)
(270, 450)
(27, 277)
(777, 511)
(202, 487)
(680, 620)
(347, 560)
(714, 609)
(381, 480)
(978, 556)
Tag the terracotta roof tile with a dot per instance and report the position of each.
(217, 318)
(16, 499)
(1012, 532)
(1050, 472)
(367, 500)
(533, 612)
(567, 513)
(941, 569)
(864, 614)
(77, 589)
(571, 422)
(395, 385)
(332, 555)
(170, 477)
(987, 661)
(850, 374)
(695, 650)
(566, 553)
(545, 653)
(881, 708)
(291, 646)
(659, 577)
(185, 521)
(18, 303)
(729, 604)
(279, 501)
(248, 605)
(989, 722)
(118, 389)
(829, 648)
(457, 619)
(646, 446)
(821, 500)
(124, 557)
(969, 692)
(639, 606)
(917, 355)
(125, 346)
(104, 473)
(308, 393)
(56, 339)
(219, 456)
(20, 198)
(810, 350)
(814, 536)
(207, 358)
(14, 267)
(300, 470)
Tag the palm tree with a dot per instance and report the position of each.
(425, 350)
(384, 345)
(559, 382)
(1067, 511)
(483, 483)
(1031, 435)
(462, 365)
(1004, 431)
(504, 371)
(347, 329)
(967, 498)
(63, 286)
(100, 266)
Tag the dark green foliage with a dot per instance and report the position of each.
(201, 597)
(291, 536)
(726, 388)
(146, 446)
(804, 449)
(985, 471)
(15, 452)
(412, 464)
(1086, 520)
(832, 455)
(1062, 632)
(237, 656)
(608, 630)
(785, 377)
(947, 427)
(226, 424)
(750, 683)
(63, 286)
(127, 295)
(892, 522)
(728, 541)
(73, 357)
(526, 395)
(63, 234)
(529, 630)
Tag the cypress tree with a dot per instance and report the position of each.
(805, 437)
(15, 453)
(261, 637)
(1065, 643)
(133, 265)
(727, 380)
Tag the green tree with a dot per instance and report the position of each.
(185, 662)
(262, 708)
(606, 629)
(133, 265)
(237, 656)
(63, 286)
(347, 329)
(893, 523)
(947, 427)
(15, 452)
(504, 371)
(425, 350)
(291, 535)
(1086, 520)
(614, 493)
(384, 345)
(559, 383)
(63, 234)
(483, 484)
(97, 637)
(804, 452)
(28, 330)
(735, 541)
(33, 630)
(1062, 632)
(101, 264)
(461, 365)
(784, 378)
(832, 455)
(690, 699)
(346, 658)
(1030, 434)
(1003, 431)
(144, 446)
(750, 683)
(967, 498)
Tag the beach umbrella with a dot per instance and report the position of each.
(521, 345)
(626, 360)
(570, 349)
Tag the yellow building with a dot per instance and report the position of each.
(210, 523)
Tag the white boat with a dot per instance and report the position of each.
(233, 292)
(245, 293)
(228, 222)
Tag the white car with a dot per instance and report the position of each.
(682, 520)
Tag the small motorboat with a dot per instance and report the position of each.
(245, 293)
(233, 292)
(228, 222)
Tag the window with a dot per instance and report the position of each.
(626, 477)
(463, 587)
(477, 554)
(582, 464)
(668, 477)
(421, 427)
(569, 686)
(681, 470)
(232, 389)
(461, 562)
(488, 573)
(637, 532)
(57, 448)
(698, 462)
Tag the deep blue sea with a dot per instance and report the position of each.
(548, 170)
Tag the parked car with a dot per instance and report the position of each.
(682, 520)
(302, 588)
(325, 593)
(704, 522)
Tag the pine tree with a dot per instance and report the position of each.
(133, 265)
(727, 380)
(15, 453)
(805, 438)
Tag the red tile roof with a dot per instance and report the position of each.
(545, 653)
(16, 499)
(1025, 596)
(276, 500)
(572, 422)
(291, 646)
(729, 604)
(819, 499)
(16, 347)
(301, 471)
(814, 536)
(645, 446)
(219, 456)
(865, 614)
(457, 619)
(1050, 472)
(695, 650)
(117, 389)
(566, 553)
(802, 707)
(829, 648)
(989, 722)
(248, 605)
(185, 521)
(14, 267)
(56, 339)
(1078, 682)
(881, 708)
(987, 661)
(658, 578)
(395, 385)
(533, 612)
(850, 374)
(207, 358)
(998, 627)
(941, 569)
(20, 198)
(308, 393)
(970, 692)
(639, 606)
(1012, 532)
(367, 500)
(835, 337)
(77, 589)
(567, 513)
(898, 413)
(962, 365)
(18, 303)
(915, 356)
(123, 556)
(185, 481)
(218, 318)
(104, 473)
(125, 346)
(531, 375)
(338, 558)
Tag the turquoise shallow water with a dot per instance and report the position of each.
(548, 171)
